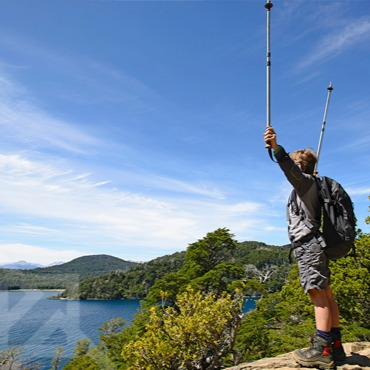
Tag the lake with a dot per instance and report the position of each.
(37, 325)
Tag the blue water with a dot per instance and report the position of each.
(37, 325)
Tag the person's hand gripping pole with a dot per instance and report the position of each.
(270, 138)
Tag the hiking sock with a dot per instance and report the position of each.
(335, 333)
(324, 334)
(337, 349)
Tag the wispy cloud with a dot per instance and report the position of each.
(34, 254)
(23, 122)
(82, 210)
(179, 186)
(33, 229)
(338, 41)
(359, 191)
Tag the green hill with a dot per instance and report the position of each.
(265, 263)
(94, 265)
(134, 283)
(108, 277)
(60, 276)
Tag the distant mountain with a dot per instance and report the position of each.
(20, 265)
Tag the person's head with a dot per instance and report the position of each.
(305, 159)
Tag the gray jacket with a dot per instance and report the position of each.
(304, 221)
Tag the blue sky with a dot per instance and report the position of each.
(133, 128)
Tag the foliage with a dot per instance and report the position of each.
(208, 285)
(196, 334)
(351, 284)
(11, 359)
(83, 358)
(134, 283)
(88, 266)
(207, 253)
(106, 277)
(283, 320)
(190, 317)
(61, 276)
(279, 323)
(55, 361)
(216, 260)
(226, 267)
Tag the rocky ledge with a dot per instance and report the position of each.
(358, 358)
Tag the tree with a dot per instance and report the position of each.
(11, 359)
(283, 320)
(351, 286)
(198, 334)
(219, 279)
(56, 359)
(213, 249)
(111, 339)
(205, 264)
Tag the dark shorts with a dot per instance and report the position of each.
(313, 265)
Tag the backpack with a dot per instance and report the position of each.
(338, 218)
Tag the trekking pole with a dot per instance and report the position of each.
(268, 7)
(330, 89)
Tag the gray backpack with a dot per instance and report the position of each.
(339, 221)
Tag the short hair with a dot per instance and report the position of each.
(306, 158)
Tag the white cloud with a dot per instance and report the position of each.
(33, 229)
(358, 191)
(339, 41)
(33, 254)
(72, 209)
(26, 124)
(204, 189)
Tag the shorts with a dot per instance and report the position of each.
(313, 265)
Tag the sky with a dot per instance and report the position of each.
(134, 128)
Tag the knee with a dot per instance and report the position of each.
(318, 297)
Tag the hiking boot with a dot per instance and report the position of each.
(337, 351)
(318, 355)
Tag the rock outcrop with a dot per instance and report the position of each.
(358, 358)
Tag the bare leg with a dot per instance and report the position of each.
(320, 300)
(333, 306)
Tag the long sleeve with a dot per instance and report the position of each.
(309, 217)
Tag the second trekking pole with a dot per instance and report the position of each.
(330, 89)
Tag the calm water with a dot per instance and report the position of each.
(37, 325)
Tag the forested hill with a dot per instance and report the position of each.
(88, 266)
(259, 262)
(60, 276)
(114, 278)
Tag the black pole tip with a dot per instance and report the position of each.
(268, 5)
(330, 88)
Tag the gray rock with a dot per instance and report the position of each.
(358, 358)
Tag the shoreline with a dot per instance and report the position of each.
(32, 290)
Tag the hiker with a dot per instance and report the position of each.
(308, 247)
